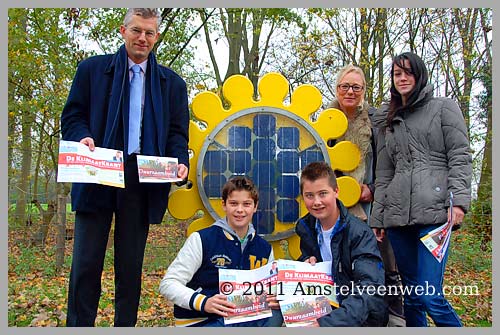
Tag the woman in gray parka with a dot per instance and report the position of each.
(423, 157)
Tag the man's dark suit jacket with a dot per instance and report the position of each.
(97, 107)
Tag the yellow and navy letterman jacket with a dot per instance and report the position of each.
(193, 276)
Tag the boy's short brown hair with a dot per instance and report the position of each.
(240, 183)
(316, 170)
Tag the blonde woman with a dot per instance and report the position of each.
(350, 99)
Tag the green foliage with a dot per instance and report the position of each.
(468, 268)
(465, 252)
(33, 259)
(102, 27)
(159, 255)
(33, 214)
(485, 97)
(42, 60)
(177, 31)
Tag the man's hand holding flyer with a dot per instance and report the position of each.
(77, 164)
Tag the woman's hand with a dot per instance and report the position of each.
(366, 194)
(458, 215)
(379, 234)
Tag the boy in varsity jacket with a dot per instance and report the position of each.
(192, 279)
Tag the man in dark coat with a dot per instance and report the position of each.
(97, 114)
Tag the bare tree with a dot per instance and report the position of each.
(247, 33)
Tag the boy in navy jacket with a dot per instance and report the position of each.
(330, 233)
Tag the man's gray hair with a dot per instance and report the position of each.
(146, 13)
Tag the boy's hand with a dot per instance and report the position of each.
(219, 305)
(272, 301)
(311, 260)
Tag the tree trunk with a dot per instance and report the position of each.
(204, 18)
(484, 195)
(234, 36)
(483, 211)
(39, 237)
(23, 192)
(23, 185)
(12, 133)
(381, 32)
(466, 24)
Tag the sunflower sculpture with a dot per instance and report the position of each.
(268, 141)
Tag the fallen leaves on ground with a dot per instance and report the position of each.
(37, 295)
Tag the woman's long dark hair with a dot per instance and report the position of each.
(419, 71)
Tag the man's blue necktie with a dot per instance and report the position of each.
(134, 117)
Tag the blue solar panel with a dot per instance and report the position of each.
(263, 175)
(264, 125)
(263, 222)
(310, 156)
(239, 161)
(288, 186)
(267, 199)
(288, 162)
(239, 175)
(287, 210)
(268, 148)
(215, 161)
(288, 138)
(213, 185)
(264, 149)
(239, 137)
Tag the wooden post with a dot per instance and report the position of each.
(60, 231)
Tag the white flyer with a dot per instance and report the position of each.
(77, 164)
(437, 240)
(303, 311)
(155, 169)
(303, 279)
(248, 290)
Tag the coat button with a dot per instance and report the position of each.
(438, 188)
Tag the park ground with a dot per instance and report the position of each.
(37, 292)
